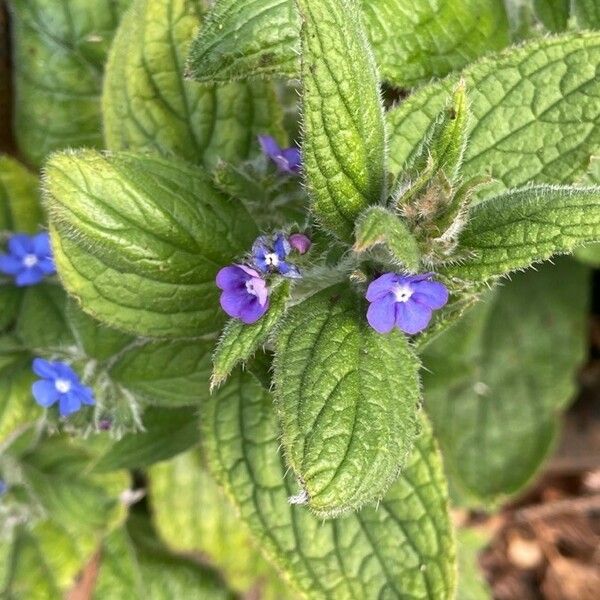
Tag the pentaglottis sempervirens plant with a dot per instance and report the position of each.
(273, 290)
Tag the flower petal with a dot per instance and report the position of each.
(381, 286)
(231, 278)
(293, 157)
(20, 244)
(382, 314)
(30, 276)
(289, 271)
(45, 369)
(69, 403)
(232, 301)
(269, 145)
(47, 266)
(431, 293)
(412, 317)
(86, 394)
(9, 265)
(45, 392)
(281, 246)
(252, 311)
(41, 245)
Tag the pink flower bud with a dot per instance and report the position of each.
(300, 242)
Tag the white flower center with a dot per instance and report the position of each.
(62, 385)
(250, 287)
(403, 293)
(30, 260)
(272, 260)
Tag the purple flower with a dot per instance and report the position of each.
(300, 242)
(59, 383)
(245, 294)
(288, 160)
(269, 256)
(404, 301)
(29, 258)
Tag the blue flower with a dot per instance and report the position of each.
(269, 256)
(404, 301)
(29, 258)
(3, 487)
(288, 160)
(245, 294)
(59, 383)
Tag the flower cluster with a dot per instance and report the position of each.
(404, 301)
(59, 383)
(245, 291)
(288, 160)
(29, 259)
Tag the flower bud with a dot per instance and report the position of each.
(300, 242)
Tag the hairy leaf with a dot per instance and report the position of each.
(193, 515)
(347, 400)
(344, 136)
(59, 54)
(554, 14)
(72, 511)
(587, 13)
(245, 39)
(20, 209)
(148, 105)
(165, 373)
(401, 547)
(377, 225)
(139, 240)
(134, 565)
(17, 407)
(525, 226)
(535, 112)
(496, 381)
(240, 341)
(167, 432)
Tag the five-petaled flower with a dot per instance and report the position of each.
(288, 160)
(404, 301)
(59, 383)
(29, 259)
(245, 294)
(269, 256)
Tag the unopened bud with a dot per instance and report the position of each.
(300, 242)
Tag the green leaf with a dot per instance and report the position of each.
(20, 209)
(240, 341)
(148, 106)
(590, 254)
(471, 580)
(535, 112)
(167, 373)
(136, 566)
(17, 407)
(41, 324)
(193, 516)
(415, 41)
(59, 54)
(347, 400)
(587, 13)
(167, 432)
(344, 136)
(74, 511)
(402, 547)
(554, 14)
(495, 382)
(525, 226)
(95, 341)
(139, 240)
(377, 225)
(248, 39)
